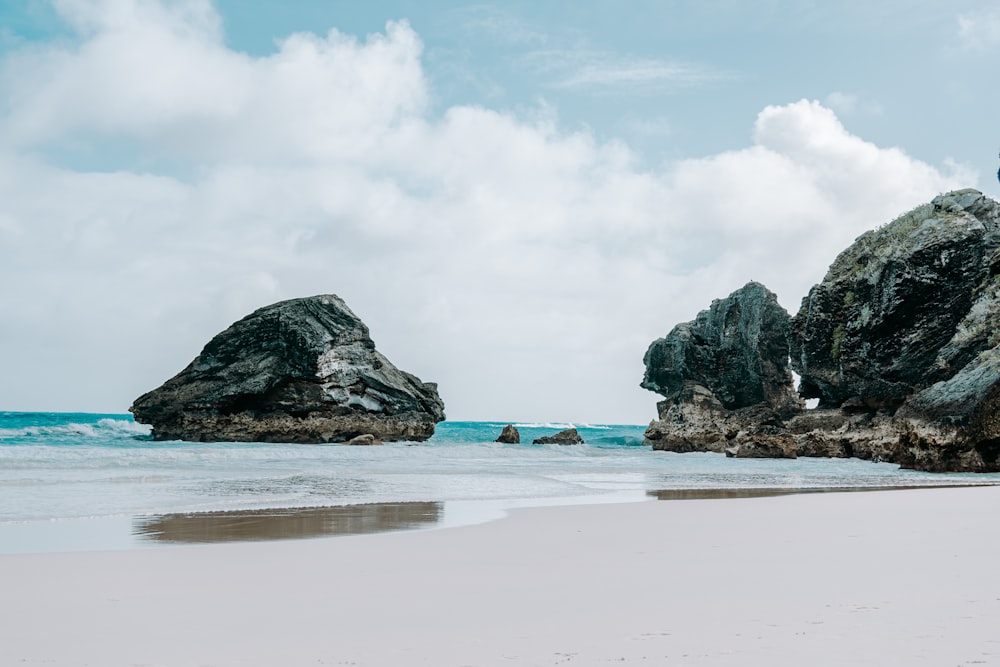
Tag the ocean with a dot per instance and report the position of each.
(98, 481)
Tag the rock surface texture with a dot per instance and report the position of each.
(900, 344)
(303, 370)
(509, 435)
(725, 377)
(907, 323)
(569, 436)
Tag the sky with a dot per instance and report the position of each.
(517, 197)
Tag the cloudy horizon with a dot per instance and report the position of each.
(165, 171)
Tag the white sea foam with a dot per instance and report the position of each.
(124, 426)
(102, 428)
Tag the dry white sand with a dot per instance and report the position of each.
(881, 578)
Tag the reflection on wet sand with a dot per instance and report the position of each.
(283, 524)
(708, 494)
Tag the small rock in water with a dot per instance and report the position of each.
(509, 435)
(567, 437)
(364, 439)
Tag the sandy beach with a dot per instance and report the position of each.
(878, 578)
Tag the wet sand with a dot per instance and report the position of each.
(285, 524)
(874, 578)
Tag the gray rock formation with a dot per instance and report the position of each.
(303, 370)
(900, 343)
(724, 375)
(890, 317)
(365, 439)
(737, 350)
(904, 331)
(764, 444)
(509, 435)
(566, 437)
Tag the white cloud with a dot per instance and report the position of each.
(849, 103)
(979, 31)
(523, 268)
(599, 71)
(146, 74)
(842, 102)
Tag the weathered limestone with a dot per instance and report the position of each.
(509, 435)
(303, 370)
(900, 343)
(566, 437)
(904, 330)
(725, 377)
(895, 312)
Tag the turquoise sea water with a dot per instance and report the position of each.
(74, 467)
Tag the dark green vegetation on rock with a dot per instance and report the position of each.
(892, 315)
(900, 343)
(303, 370)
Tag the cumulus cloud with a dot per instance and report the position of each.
(153, 74)
(522, 267)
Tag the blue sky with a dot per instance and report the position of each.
(516, 197)
(674, 79)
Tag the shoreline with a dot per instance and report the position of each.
(847, 578)
(154, 531)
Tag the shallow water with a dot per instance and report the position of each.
(58, 469)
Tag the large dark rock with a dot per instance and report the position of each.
(900, 343)
(303, 370)
(737, 349)
(890, 316)
(718, 370)
(906, 324)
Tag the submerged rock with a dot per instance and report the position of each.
(366, 439)
(566, 437)
(303, 370)
(509, 435)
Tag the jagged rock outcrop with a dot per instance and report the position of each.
(303, 370)
(764, 443)
(569, 436)
(509, 435)
(900, 343)
(892, 315)
(737, 350)
(725, 376)
(906, 324)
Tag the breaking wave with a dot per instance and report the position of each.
(101, 429)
